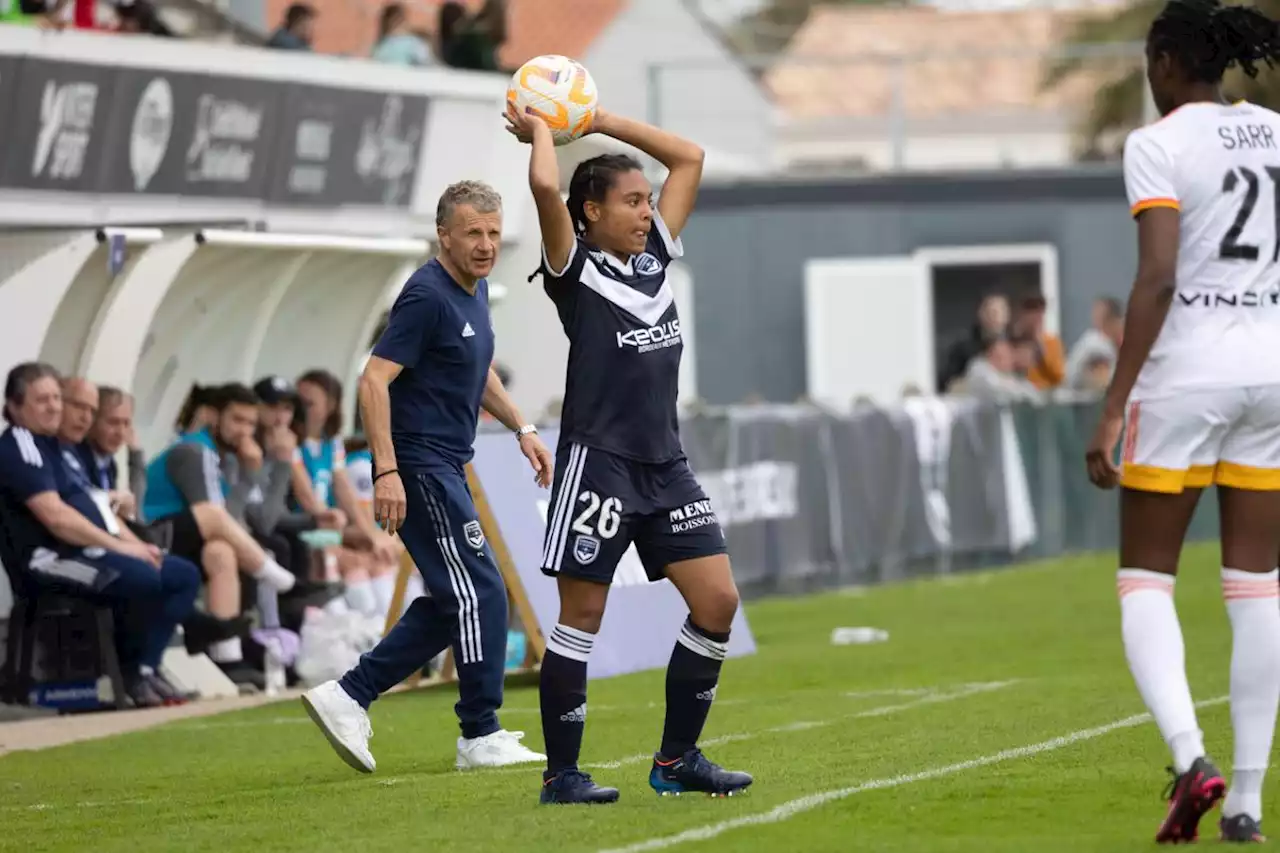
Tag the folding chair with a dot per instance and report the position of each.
(76, 633)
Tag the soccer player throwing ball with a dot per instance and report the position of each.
(1199, 376)
(621, 474)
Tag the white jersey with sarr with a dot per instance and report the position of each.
(1206, 407)
(1219, 166)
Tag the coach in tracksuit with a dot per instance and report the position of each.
(420, 397)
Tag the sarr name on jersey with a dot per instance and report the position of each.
(655, 337)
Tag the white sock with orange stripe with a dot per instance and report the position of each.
(1157, 659)
(1255, 682)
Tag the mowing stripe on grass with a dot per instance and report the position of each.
(803, 804)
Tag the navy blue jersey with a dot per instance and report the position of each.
(624, 348)
(27, 468)
(443, 338)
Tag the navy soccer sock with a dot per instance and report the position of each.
(562, 693)
(692, 676)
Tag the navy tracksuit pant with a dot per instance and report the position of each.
(466, 607)
(149, 603)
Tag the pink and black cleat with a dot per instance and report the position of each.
(1191, 796)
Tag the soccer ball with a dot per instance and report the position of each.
(558, 90)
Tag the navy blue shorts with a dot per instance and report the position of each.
(601, 504)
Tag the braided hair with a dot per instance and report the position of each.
(1206, 38)
(592, 179)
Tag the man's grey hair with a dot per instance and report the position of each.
(477, 194)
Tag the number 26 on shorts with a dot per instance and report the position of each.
(607, 515)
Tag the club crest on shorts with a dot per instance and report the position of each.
(475, 536)
(586, 549)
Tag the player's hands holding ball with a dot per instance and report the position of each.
(389, 502)
(554, 94)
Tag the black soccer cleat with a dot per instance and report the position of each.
(1191, 796)
(1241, 829)
(693, 772)
(575, 787)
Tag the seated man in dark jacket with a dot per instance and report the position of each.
(69, 538)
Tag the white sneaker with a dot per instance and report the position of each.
(343, 722)
(496, 750)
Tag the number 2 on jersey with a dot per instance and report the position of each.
(1231, 248)
(609, 519)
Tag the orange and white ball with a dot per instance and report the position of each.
(560, 91)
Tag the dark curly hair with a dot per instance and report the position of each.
(1206, 38)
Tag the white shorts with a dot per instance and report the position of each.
(1223, 436)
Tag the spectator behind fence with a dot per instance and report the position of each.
(992, 321)
(369, 556)
(992, 375)
(65, 541)
(141, 17)
(1102, 340)
(297, 30)
(191, 509)
(397, 43)
(473, 42)
(1049, 367)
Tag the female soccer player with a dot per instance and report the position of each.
(1201, 382)
(621, 475)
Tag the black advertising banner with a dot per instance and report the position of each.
(9, 66)
(191, 134)
(149, 131)
(348, 146)
(55, 126)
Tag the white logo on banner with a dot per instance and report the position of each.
(756, 492)
(149, 136)
(223, 140)
(66, 123)
(312, 143)
(630, 571)
(931, 420)
(388, 152)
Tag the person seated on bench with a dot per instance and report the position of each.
(112, 431)
(192, 511)
(95, 424)
(72, 542)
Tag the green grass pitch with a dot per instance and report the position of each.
(1000, 716)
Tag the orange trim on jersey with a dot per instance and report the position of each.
(1148, 203)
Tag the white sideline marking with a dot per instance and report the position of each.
(803, 804)
(961, 692)
(930, 696)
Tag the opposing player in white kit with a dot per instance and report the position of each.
(1196, 392)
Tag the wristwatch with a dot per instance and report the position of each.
(527, 429)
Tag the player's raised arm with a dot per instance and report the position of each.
(558, 237)
(682, 158)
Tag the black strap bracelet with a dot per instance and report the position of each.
(377, 477)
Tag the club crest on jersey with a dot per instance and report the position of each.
(647, 264)
(586, 549)
(475, 536)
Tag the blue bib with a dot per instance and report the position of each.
(162, 497)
